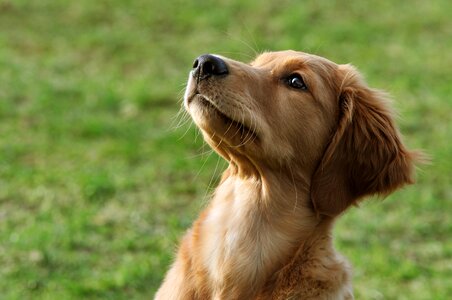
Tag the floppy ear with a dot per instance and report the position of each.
(365, 155)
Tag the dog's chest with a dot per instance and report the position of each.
(241, 246)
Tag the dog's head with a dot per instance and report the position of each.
(304, 112)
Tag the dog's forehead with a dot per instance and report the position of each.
(290, 58)
(268, 59)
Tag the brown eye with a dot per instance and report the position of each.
(296, 81)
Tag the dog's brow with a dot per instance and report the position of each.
(291, 64)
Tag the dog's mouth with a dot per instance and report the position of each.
(233, 128)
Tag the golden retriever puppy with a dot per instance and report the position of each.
(305, 139)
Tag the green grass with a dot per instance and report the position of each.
(97, 183)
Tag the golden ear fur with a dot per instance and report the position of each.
(366, 155)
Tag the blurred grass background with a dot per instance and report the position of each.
(97, 181)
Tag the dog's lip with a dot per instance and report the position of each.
(207, 102)
(193, 95)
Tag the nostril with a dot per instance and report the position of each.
(195, 63)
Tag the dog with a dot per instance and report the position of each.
(305, 139)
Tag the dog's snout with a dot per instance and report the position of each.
(209, 65)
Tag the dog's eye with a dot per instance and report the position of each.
(296, 81)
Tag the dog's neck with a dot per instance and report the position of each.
(254, 226)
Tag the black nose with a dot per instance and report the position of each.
(209, 65)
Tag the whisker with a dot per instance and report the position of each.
(243, 42)
(209, 188)
(185, 133)
(253, 127)
(249, 136)
(202, 166)
(182, 120)
(181, 117)
(202, 153)
(248, 56)
(294, 187)
(197, 133)
(256, 46)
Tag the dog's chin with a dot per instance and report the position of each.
(219, 125)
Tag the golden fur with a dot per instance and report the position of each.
(297, 160)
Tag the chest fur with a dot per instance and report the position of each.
(243, 244)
